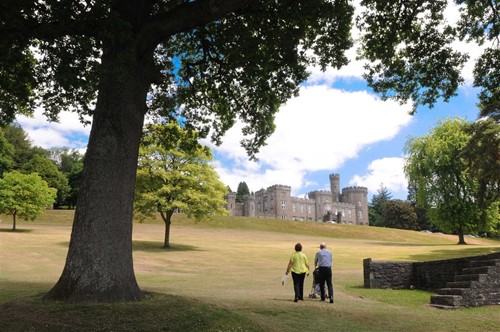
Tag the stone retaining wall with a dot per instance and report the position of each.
(430, 275)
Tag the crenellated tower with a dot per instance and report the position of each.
(335, 187)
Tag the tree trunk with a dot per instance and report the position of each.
(13, 221)
(99, 264)
(461, 239)
(167, 218)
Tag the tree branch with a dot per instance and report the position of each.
(185, 17)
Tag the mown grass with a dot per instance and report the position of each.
(224, 275)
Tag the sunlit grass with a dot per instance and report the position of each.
(227, 272)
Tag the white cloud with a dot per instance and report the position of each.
(319, 130)
(68, 132)
(386, 171)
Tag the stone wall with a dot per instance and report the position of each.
(428, 275)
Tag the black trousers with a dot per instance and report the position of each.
(325, 275)
(298, 285)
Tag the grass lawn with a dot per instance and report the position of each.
(224, 275)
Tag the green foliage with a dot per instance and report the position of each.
(444, 182)
(482, 158)
(408, 45)
(242, 191)
(377, 206)
(48, 171)
(400, 214)
(24, 195)
(174, 173)
(23, 149)
(6, 154)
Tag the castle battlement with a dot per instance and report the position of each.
(277, 202)
(355, 189)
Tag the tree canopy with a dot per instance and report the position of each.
(443, 180)
(24, 195)
(377, 206)
(210, 62)
(174, 174)
(242, 191)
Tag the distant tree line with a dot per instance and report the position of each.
(60, 168)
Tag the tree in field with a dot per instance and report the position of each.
(49, 172)
(211, 62)
(24, 195)
(444, 184)
(242, 191)
(174, 174)
(400, 214)
(377, 206)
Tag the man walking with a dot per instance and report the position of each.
(323, 261)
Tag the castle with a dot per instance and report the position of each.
(348, 207)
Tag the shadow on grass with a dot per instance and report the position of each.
(408, 244)
(150, 314)
(465, 251)
(158, 246)
(10, 230)
(153, 246)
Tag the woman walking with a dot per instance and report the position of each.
(299, 266)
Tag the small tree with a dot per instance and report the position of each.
(24, 195)
(242, 191)
(174, 173)
(377, 205)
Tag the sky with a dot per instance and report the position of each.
(335, 125)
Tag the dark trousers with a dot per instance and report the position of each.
(325, 275)
(298, 285)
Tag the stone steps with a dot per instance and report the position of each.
(485, 262)
(469, 277)
(452, 291)
(447, 300)
(457, 292)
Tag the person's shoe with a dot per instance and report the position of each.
(331, 300)
(322, 299)
(296, 300)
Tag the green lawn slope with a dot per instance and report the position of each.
(224, 275)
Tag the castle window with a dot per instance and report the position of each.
(359, 203)
(293, 207)
(283, 205)
(283, 217)
(301, 208)
(308, 209)
(360, 215)
(349, 212)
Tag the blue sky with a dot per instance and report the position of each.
(335, 125)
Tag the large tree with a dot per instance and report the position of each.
(210, 61)
(24, 195)
(400, 214)
(174, 174)
(444, 185)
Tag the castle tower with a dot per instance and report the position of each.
(335, 187)
(358, 196)
(249, 206)
(231, 203)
